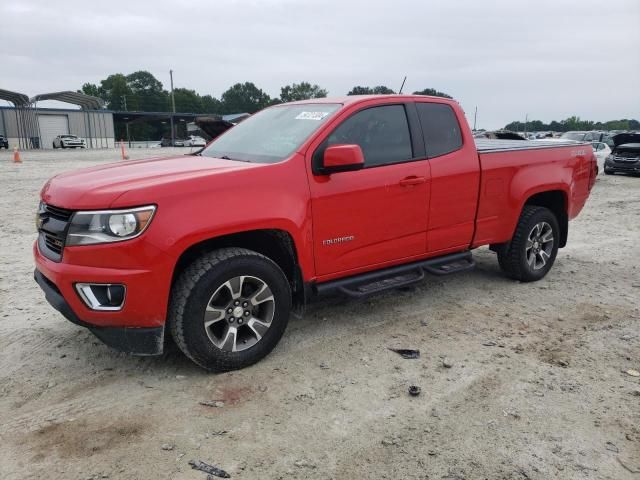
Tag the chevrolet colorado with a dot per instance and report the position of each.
(351, 195)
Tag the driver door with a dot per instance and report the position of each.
(376, 215)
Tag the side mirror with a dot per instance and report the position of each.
(342, 158)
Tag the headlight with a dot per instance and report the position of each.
(88, 228)
(39, 216)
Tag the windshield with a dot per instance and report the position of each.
(68, 136)
(271, 135)
(573, 136)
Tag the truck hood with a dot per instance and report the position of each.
(99, 187)
(623, 138)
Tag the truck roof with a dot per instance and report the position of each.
(349, 99)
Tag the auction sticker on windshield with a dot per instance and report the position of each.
(311, 115)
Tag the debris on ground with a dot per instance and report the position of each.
(207, 468)
(414, 390)
(304, 464)
(212, 403)
(406, 352)
(611, 447)
(447, 363)
(167, 446)
(489, 344)
(633, 373)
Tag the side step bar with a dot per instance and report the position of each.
(369, 283)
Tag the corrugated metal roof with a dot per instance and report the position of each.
(18, 99)
(86, 102)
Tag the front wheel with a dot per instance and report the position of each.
(229, 309)
(532, 251)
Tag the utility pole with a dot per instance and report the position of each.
(475, 117)
(526, 119)
(173, 108)
(126, 123)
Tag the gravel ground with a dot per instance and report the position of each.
(519, 381)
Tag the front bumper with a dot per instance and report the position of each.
(137, 328)
(622, 167)
(136, 341)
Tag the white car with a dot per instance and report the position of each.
(69, 141)
(601, 151)
(195, 141)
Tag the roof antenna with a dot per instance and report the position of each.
(402, 86)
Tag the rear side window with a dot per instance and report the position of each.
(440, 128)
(381, 132)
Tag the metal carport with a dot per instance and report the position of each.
(89, 105)
(26, 121)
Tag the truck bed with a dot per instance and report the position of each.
(487, 145)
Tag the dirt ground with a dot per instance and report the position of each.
(519, 381)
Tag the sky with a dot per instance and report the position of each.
(545, 59)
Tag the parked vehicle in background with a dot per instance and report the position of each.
(4, 143)
(592, 136)
(501, 135)
(69, 141)
(195, 141)
(354, 195)
(601, 151)
(625, 155)
(177, 142)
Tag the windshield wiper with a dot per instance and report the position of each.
(227, 157)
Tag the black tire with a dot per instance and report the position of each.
(608, 172)
(54, 145)
(193, 291)
(513, 256)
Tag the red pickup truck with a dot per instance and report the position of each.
(348, 195)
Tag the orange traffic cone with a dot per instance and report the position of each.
(16, 155)
(124, 152)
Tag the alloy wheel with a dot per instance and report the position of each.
(239, 313)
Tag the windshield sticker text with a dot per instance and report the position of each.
(311, 115)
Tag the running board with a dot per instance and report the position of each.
(370, 283)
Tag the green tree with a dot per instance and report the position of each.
(379, 90)
(382, 90)
(90, 89)
(432, 92)
(244, 97)
(301, 91)
(147, 93)
(115, 91)
(210, 104)
(187, 101)
(358, 90)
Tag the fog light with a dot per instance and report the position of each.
(102, 296)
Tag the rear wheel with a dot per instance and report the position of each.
(534, 246)
(229, 309)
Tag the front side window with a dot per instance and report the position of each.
(271, 135)
(440, 128)
(381, 132)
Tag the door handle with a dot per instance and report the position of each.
(405, 182)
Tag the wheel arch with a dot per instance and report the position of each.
(557, 202)
(275, 244)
